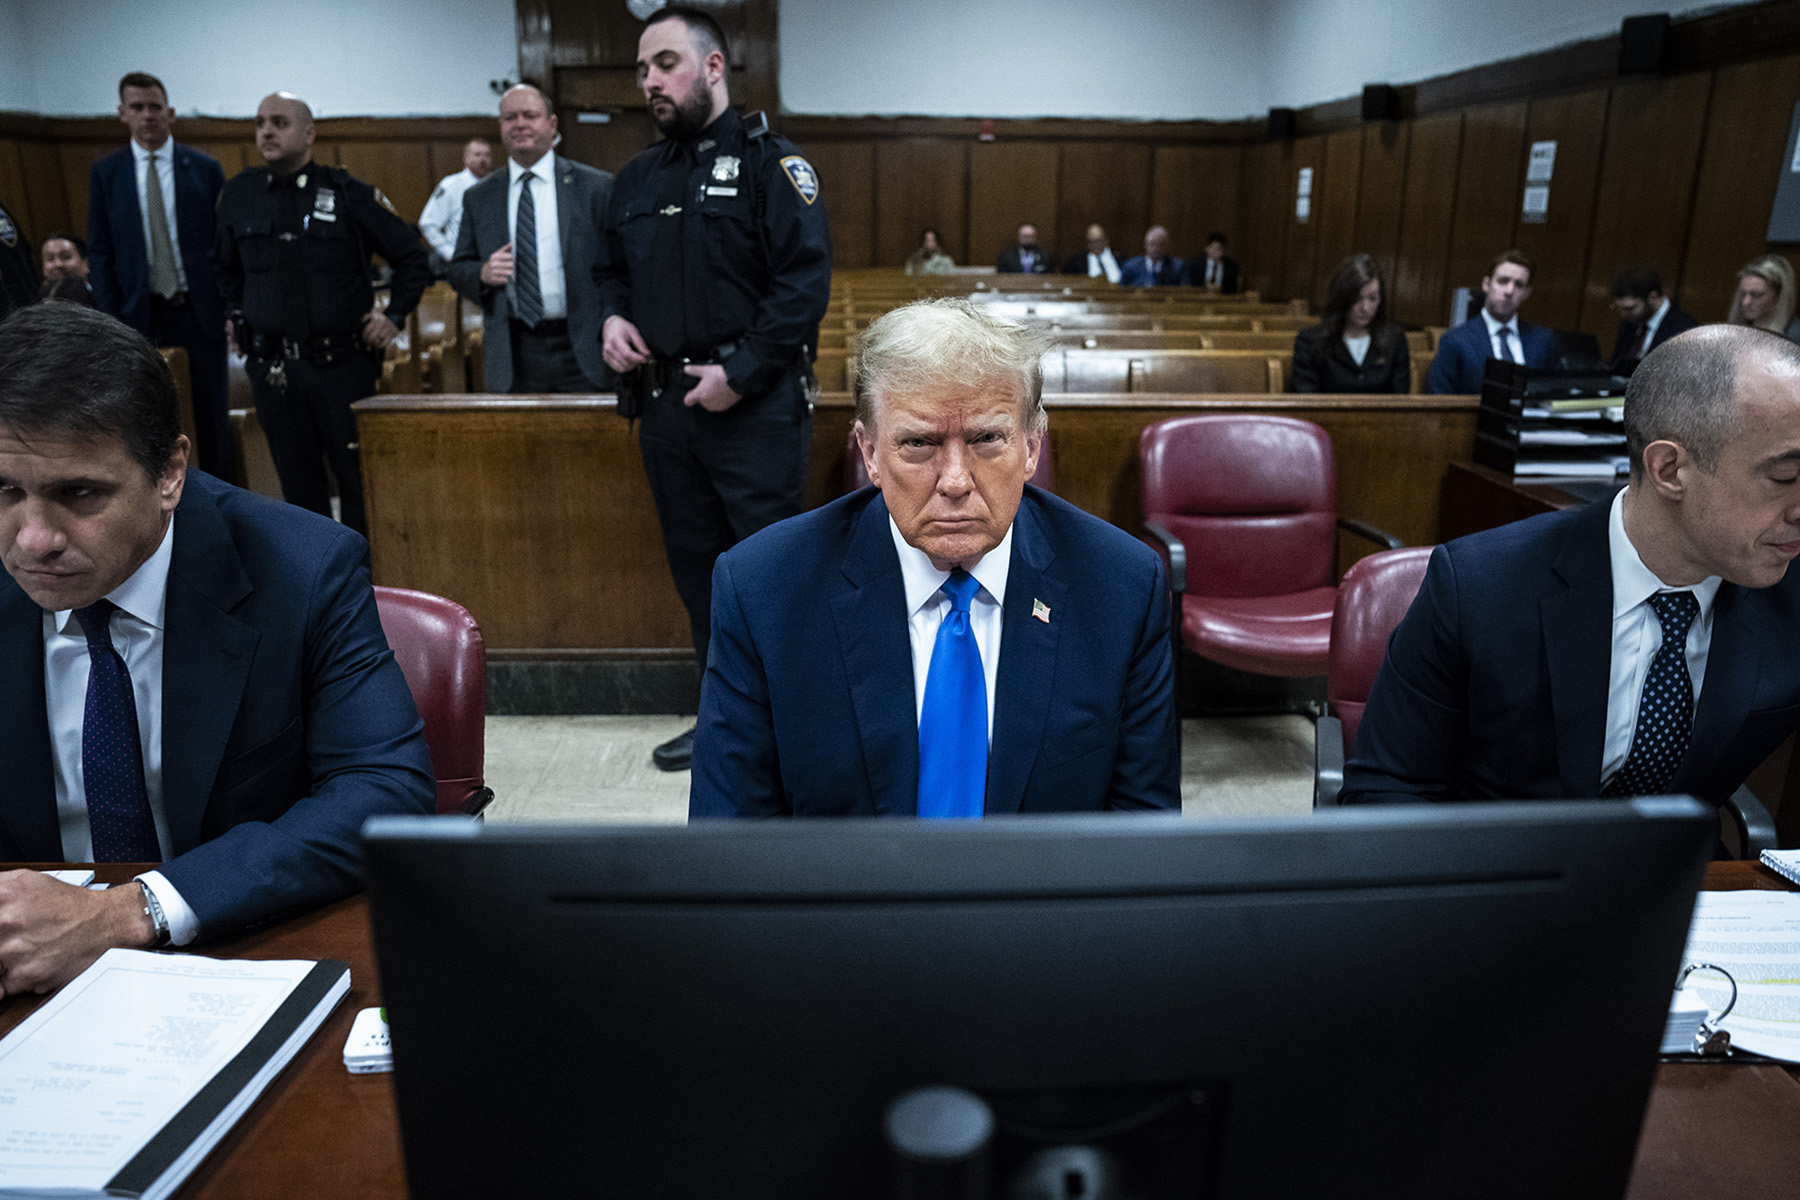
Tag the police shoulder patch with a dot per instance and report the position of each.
(800, 174)
(384, 201)
(9, 233)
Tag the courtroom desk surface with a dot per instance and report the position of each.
(532, 511)
(1712, 1132)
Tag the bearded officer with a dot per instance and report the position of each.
(715, 274)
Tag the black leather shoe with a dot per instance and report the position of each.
(676, 754)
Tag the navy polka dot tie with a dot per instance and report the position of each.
(1665, 718)
(112, 759)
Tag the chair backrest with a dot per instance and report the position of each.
(856, 472)
(1375, 594)
(1252, 497)
(439, 648)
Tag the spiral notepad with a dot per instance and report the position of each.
(1783, 862)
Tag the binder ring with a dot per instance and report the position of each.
(1712, 1022)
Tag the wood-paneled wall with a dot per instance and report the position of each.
(884, 181)
(1675, 172)
(44, 161)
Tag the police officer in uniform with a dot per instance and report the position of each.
(18, 266)
(293, 262)
(715, 275)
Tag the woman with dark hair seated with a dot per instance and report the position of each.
(1354, 347)
(929, 258)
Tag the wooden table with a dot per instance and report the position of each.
(1711, 1132)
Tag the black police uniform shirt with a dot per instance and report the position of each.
(685, 257)
(18, 267)
(293, 253)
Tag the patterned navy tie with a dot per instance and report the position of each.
(112, 758)
(528, 301)
(953, 730)
(1665, 718)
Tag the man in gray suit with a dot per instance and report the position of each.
(526, 250)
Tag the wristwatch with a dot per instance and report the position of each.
(154, 910)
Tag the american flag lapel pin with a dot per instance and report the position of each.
(1040, 610)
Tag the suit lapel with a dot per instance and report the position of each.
(564, 179)
(1577, 625)
(207, 654)
(872, 634)
(1027, 662)
(28, 803)
(1728, 688)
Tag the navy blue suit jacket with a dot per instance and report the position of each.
(119, 262)
(808, 708)
(1495, 683)
(286, 720)
(1137, 272)
(1463, 352)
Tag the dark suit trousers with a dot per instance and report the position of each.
(309, 423)
(176, 325)
(717, 478)
(543, 360)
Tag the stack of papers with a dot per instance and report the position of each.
(1686, 1012)
(1756, 937)
(122, 1081)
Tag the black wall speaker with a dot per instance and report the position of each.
(1281, 124)
(1641, 43)
(1381, 102)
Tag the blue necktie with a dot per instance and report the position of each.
(112, 758)
(1665, 718)
(953, 740)
(528, 299)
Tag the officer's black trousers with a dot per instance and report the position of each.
(717, 478)
(308, 424)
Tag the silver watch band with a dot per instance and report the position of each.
(154, 910)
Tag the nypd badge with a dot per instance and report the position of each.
(324, 205)
(9, 233)
(800, 174)
(725, 168)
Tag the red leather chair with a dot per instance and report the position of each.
(1375, 594)
(1244, 509)
(439, 648)
(856, 472)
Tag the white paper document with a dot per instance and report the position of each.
(110, 1062)
(1569, 437)
(1756, 937)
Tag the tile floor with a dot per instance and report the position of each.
(598, 768)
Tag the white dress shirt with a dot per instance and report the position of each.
(1637, 636)
(443, 212)
(1358, 347)
(1512, 349)
(551, 286)
(165, 175)
(1214, 275)
(1655, 320)
(1105, 264)
(926, 605)
(137, 634)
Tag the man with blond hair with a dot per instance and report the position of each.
(951, 642)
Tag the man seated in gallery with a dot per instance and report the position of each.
(950, 642)
(196, 676)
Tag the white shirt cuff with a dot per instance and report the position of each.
(184, 926)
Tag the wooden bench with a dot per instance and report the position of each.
(1111, 372)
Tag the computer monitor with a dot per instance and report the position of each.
(1434, 1000)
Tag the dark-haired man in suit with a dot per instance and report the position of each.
(151, 229)
(1494, 332)
(1647, 318)
(197, 676)
(1214, 270)
(953, 643)
(1642, 646)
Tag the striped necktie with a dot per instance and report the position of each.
(528, 301)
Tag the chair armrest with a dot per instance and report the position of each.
(1755, 827)
(1380, 537)
(1328, 762)
(478, 800)
(1175, 552)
